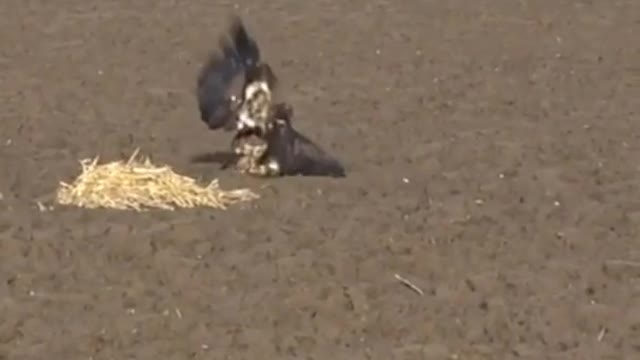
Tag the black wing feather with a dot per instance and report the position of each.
(217, 74)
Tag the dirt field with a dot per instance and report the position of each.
(492, 149)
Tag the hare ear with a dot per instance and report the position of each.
(269, 76)
(261, 73)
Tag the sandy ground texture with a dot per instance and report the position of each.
(492, 149)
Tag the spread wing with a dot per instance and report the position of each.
(217, 75)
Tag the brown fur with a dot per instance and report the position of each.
(281, 150)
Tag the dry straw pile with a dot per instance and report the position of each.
(140, 185)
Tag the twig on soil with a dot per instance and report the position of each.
(623, 262)
(510, 20)
(409, 284)
(601, 334)
(42, 207)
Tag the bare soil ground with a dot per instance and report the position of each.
(492, 149)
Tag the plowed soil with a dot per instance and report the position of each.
(493, 162)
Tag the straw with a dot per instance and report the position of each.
(141, 185)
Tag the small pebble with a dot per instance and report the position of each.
(405, 180)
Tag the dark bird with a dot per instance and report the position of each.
(284, 151)
(265, 143)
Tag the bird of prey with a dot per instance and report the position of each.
(265, 143)
(283, 151)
